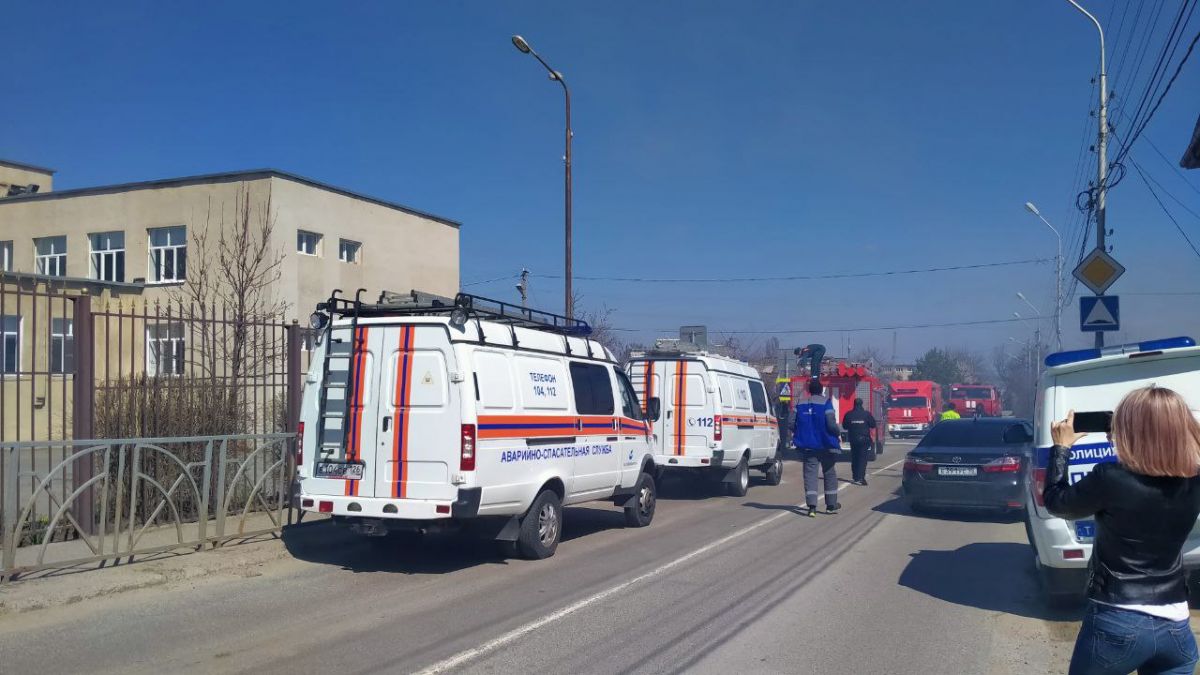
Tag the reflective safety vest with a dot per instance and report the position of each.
(950, 415)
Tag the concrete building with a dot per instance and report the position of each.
(137, 248)
(155, 232)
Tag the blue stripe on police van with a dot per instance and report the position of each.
(1082, 453)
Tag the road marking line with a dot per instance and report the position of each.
(521, 631)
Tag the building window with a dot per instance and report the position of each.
(165, 347)
(168, 254)
(6, 252)
(108, 256)
(51, 257)
(62, 346)
(349, 251)
(308, 243)
(10, 344)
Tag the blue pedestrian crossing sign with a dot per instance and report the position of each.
(1099, 313)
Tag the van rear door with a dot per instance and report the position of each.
(418, 416)
(347, 417)
(690, 415)
(647, 378)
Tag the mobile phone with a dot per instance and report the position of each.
(1093, 422)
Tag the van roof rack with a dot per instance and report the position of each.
(464, 305)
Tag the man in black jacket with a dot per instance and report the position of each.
(858, 424)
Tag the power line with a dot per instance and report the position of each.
(853, 330)
(1172, 165)
(813, 277)
(1146, 174)
(1141, 126)
(1164, 209)
(488, 281)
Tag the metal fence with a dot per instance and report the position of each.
(81, 359)
(141, 496)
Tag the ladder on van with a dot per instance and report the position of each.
(343, 351)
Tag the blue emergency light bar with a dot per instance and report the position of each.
(1078, 355)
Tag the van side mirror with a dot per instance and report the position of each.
(653, 408)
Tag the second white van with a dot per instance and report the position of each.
(709, 414)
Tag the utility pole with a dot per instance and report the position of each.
(1101, 150)
(523, 287)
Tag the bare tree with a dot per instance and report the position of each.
(602, 329)
(231, 279)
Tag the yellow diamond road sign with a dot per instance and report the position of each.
(1098, 271)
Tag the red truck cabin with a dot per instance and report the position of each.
(975, 399)
(913, 408)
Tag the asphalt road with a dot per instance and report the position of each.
(715, 584)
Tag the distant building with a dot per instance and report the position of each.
(901, 372)
(151, 246)
(146, 233)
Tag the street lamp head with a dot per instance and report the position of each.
(1028, 205)
(520, 43)
(1020, 295)
(1017, 314)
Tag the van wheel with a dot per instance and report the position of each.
(774, 473)
(541, 528)
(741, 482)
(641, 511)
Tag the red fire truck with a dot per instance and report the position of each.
(845, 381)
(976, 399)
(913, 408)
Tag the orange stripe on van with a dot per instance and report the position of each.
(680, 404)
(647, 386)
(355, 409)
(403, 395)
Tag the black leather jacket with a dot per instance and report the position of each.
(1141, 525)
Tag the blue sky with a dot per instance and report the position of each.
(712, 139)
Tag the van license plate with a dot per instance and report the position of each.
(1085, 529)
(957, 471)
(338, 470)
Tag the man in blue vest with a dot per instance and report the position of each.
(817, 439)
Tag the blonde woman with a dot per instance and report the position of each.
(1145, 505)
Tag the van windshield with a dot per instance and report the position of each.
(971, 392)
(909, 401)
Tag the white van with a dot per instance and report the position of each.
(419, 416)
(1085, 381)
(709, 413)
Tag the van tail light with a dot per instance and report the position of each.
(466, 457)
(917, 465)
(1039, 485)
(1003, 465)
(716, 427)
(300, 445)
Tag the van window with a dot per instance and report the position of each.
(629, 401)
(741, 394)
(758, 396)
(543, 383)
(726, 389)
(495, 381)
(593, 389)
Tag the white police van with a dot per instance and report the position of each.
(710, 415)
(427, 414)
(1085, 381)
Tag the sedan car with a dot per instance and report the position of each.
(970, 463)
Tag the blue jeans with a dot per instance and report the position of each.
(1118, 641)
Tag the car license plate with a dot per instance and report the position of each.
(957, 471)
(339, 470)
(1085, 530)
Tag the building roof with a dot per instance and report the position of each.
(26, 167)
(230, 176)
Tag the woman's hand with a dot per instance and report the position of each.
(1063, 432)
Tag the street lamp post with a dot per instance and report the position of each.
(523, 46)
(1058, 262)
(1101, 148)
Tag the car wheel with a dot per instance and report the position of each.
(774, 473)
(915, 506)
(541, 528)
(1055, 594)
(640, 512)
(741, 482)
